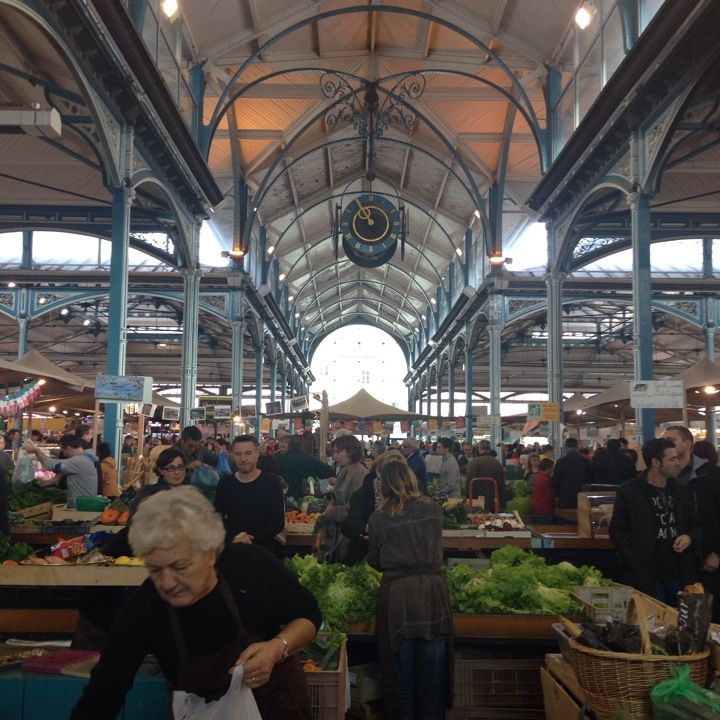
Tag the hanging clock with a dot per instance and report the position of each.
(370, 226)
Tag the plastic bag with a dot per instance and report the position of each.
(204, 477)
(678, 690)
(237, 702)
(223, 466)
(24, 473)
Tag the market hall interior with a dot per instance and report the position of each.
(202, 193)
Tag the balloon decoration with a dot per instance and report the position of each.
(20, 398)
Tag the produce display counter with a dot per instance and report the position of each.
(548, 537)
(58, 620)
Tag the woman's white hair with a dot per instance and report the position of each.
(182, 514)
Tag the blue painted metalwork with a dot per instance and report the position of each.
(197, 89)
(27, 250)
(188, 362)
(259, 355)
(117, 310)
(642, 314)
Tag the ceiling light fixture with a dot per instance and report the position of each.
(86, 322)
(64, 311)
(169, 7)
(281, 277)
(291, 298)
(585, 14)
(710, 390)
(42, 300)
(11, 284)
(496, 259)
(271, 249)
(458, 252)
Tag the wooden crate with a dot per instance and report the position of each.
(326, 690)
(43, 511)
(62, 512)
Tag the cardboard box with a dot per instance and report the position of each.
(62, 512)
(43, 511)
(594, 513)
(559, 704)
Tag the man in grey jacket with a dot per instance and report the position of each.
(78, 470)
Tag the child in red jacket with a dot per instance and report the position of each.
(543, 497)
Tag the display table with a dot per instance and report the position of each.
(59, 620)
(37, 696)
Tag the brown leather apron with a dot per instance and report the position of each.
(392, 704)
(283, 697)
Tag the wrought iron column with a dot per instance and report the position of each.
(273, 379)
(438, 385)
(553, 282)
(451, 391)
(468, 393)
(642, 307)
(191, 287)
(122, 199)
(259, 356)
(495, 325)
(710, 328)
(22, 300)
(238, 350)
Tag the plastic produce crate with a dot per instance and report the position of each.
(326, 690)
(493, 683)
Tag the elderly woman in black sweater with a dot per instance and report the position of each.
(205, 609)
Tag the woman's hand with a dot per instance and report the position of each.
(243, 537)
(258, 660)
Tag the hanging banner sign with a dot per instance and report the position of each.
(657, 394)
(459, 423)
(405, 426)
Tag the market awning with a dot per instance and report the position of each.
(33, 364)
(363, 406)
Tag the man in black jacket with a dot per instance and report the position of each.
(612, 466)
(702, 480)
(654, 526)
(571, 472)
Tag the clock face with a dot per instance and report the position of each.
(370, 227)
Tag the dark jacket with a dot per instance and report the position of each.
(634, 527)
(485, 465)
(571, 472)
(704, 489)
(417, 464)
(611, 467)
(296, 465)
(354, 527)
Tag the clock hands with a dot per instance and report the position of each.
(364, 213)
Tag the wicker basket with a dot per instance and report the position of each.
(615, 682)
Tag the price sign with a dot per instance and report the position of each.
(657, 394)
(544, 411)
